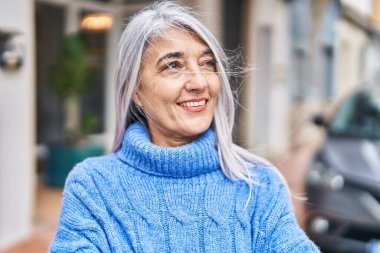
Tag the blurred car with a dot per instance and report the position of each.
(343, 180)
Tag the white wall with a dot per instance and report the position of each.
(371, 63)
(362, 6)
(17, 127)
(351, 41)
(264, 125)
(210, 13)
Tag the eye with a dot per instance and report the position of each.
(209, 65)
(173, 65)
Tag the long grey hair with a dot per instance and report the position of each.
(145, 26)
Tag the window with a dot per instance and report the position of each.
(300, 33)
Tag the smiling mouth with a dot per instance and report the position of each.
(194, 106)
(193, 103)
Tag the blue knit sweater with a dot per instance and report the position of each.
(146, 198)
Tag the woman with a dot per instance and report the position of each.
(175, 181)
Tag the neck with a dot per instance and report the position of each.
(162, 138)
(197, 157)
(166, 141)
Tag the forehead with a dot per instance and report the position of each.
(175, 39)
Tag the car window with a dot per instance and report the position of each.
(358, 116)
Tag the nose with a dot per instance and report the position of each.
(196, 81)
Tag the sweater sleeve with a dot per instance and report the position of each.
(79, 228)
(282, 233)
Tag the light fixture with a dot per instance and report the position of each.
(11, 57)
(98, 21)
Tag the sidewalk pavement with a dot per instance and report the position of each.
(47, 208)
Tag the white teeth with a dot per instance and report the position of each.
(192, 104)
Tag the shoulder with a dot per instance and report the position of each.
(267, 175)
(89, 182)
(269, 186)
(91, 168)
(270, 194)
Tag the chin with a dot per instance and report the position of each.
(197, 128)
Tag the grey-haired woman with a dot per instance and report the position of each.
(175, 181)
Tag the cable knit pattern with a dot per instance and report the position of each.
(146, 198)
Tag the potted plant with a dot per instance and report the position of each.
(70, 81)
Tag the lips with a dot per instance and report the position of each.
(194, 105)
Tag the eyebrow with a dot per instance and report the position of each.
(207, 51)
(170, 55)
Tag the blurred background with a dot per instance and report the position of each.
(314, 65)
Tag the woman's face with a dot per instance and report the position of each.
(178, 88)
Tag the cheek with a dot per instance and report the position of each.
(215, 86)
(159, 101)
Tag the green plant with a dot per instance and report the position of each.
(70, 80)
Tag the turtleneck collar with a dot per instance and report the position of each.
(195, 158)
